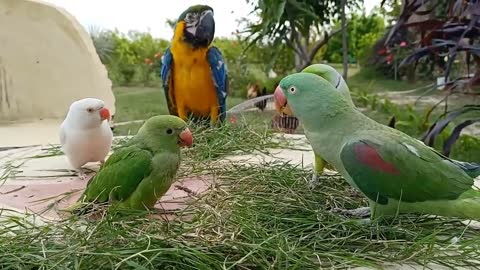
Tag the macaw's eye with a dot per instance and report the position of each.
(169, 131)
(89, 110)
(292, 90)
(189, 17)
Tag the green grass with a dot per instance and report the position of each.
(353, 69)
(138, 103)
(369, 81)
(254, 217)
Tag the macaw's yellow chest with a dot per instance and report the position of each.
(193, 85)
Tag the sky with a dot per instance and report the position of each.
(151, 15)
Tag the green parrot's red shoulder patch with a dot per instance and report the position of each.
(369, 156)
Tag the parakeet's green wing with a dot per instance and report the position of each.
(120, 175)
(406, 171)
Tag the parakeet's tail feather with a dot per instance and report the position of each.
(466, 206)
(471, 168)
(80, 208)
(469, 204)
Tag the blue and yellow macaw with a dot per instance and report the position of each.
(194, 73)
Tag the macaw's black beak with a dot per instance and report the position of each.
(206, 29)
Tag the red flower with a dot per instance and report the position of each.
(389, 58)
(403, 44)
(147, 61)
(157, 55)
(383, 51)
(233, 120)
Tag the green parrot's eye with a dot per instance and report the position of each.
(292, 89)
(169, 131)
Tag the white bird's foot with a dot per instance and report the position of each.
(362, 212)
(315, 181)
(81, 174)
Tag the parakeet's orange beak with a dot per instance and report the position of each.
(105, 114)
(186, 138)
(281, 104)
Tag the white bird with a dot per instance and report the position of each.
(85, 136)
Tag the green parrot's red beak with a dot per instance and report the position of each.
(281, 104)
(186, 138)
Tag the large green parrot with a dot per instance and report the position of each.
(139, 173)
(397, 173)
(334, 78)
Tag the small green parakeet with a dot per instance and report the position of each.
(334, 78)
(397, 173)
(136, 175)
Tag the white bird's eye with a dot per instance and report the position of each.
(292, 89)
(89, 110)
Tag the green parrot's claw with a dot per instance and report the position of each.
(315, 181)
(362, 212)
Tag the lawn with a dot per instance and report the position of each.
(260, 216)
(369, 81)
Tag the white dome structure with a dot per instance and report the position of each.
(47, 61)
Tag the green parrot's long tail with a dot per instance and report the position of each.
(80, 208)
(469, 204)
(466, 206)
(471, 168)
(77, 209)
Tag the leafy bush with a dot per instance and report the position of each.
(134, 59)
(447, 32)
(131, 59)
(254, 65)
(363, 31)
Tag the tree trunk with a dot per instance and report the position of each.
(301, 62)
(344, 41)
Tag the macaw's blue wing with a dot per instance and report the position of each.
(220, 78)
(167, 80)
